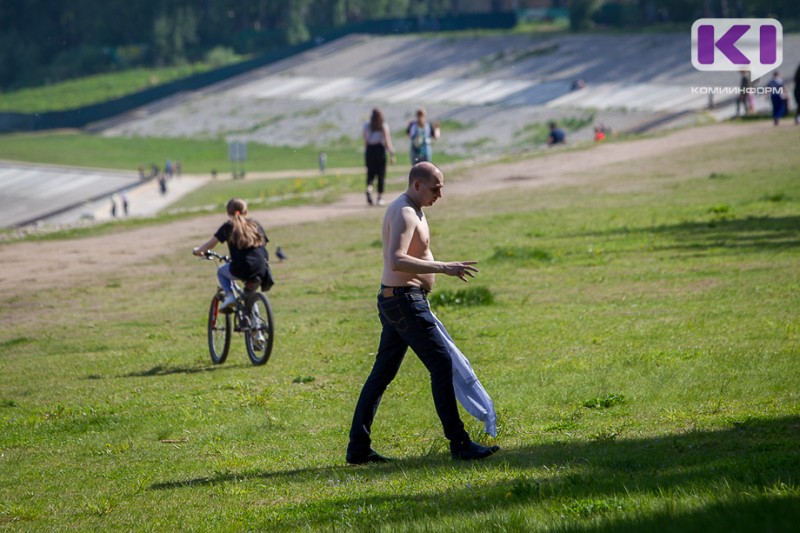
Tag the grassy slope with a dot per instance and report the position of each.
(641, 352)
(91, 90)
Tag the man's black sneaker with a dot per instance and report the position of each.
(470, 450)
(363, 458)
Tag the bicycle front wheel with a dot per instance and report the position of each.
(258, 340)
(219, 332)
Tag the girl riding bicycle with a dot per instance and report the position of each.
(247, 245)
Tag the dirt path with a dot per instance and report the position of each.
(50, 265)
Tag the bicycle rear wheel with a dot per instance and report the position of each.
(219, 332)
(258, 340)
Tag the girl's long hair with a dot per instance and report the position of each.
(246, 233)
(376, 120)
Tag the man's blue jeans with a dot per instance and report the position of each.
(407, 322)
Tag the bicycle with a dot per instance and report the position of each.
(252, 315)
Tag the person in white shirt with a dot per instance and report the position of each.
(377, 141)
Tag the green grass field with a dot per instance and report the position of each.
(641, 349)
(95, 89)
(197, 156)
(270, 192)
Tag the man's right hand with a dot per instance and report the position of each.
(461, 269)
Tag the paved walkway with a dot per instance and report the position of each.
(31, 192)
(66, 195)
(98, 254)
(144, 199)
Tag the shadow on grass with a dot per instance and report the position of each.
(758, 514)
(758, 459)
(161, 370)
(753, 232)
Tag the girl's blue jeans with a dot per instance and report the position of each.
(226, 279)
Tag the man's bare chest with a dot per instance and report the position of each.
(421, 240)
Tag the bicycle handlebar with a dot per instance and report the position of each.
(210, 254)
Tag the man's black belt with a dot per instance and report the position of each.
(390, 292)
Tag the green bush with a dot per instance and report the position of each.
(463, 297)
(615, 14)
(84, 59)
(220, 56)
(580, 14)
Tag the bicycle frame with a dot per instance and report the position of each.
(251, 316)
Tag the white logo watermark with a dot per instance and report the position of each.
(737, 91)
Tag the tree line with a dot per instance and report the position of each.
(46, 41)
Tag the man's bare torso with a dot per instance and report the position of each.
(397, 218)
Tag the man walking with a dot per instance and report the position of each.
(409, 273)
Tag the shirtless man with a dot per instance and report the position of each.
(409, 273)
